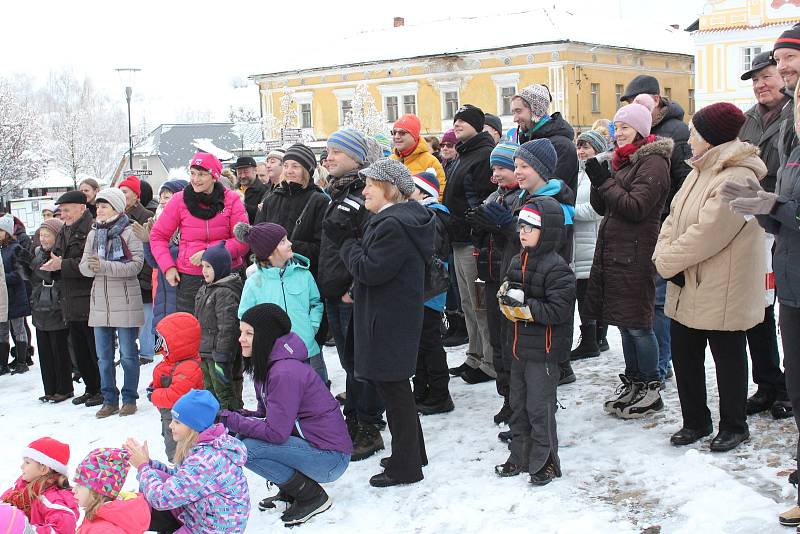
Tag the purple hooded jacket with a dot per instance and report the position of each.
(293, 401)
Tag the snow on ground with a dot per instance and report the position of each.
(619, 476)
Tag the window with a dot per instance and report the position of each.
(143, 164)
(668, 92)
(595, 98)
(691, 101)
(506, 95)
(305, 115)
(345, 107)
(748, 53)
(618, 92)
(390, 105)
(410, 104)
(450, 106)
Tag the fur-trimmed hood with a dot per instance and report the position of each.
(662, 146)
(731, 154)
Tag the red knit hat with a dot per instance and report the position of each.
(409, 123)
(719, 123)
(49, 452)
(133, 183)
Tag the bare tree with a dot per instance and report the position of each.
(20, 143)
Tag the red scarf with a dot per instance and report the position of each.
(623, 154)
(409, 151)
(23, 496)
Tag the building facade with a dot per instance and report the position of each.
(729, 35)
(586, 77)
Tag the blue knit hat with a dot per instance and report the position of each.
(503, 154)
(351, 142)
(220, 259)
(427, 182)
(197, 409)
(174, 185)
(540, 155)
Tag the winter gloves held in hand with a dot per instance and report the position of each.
(597, 172)
(748, 199)
(490, 217)
(511, 298)
(340, 231)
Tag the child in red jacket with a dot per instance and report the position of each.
(42, 493)
(178, 339)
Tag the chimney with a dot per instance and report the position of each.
(675, 26)
(399, 21)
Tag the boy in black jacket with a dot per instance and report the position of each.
(538, 296)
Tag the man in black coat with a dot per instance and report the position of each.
(76, 290)
(468, 185)
(249, 185)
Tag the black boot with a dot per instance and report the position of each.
(5, 349)
(21, 365)
(270, 502)
(367, 441)
(588, 347)
(782, 407)
(602, 342)
(504, 414)
(761, 401)
(457, 333)
(309, 499)
(546, 474)
(565, 374)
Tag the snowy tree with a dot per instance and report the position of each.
(20, 142)
(242, 114)
(270, 127)
(363, 115)
(288, 112)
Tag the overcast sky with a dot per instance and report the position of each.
(190, 52)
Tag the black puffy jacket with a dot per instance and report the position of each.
(46, 295)
(669, 123)
(549, 287)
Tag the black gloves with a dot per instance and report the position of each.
(489, 217)
(597, 172)
(339, 231)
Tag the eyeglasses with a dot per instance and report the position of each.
(399, 133)
(446, 145)
(525, 228)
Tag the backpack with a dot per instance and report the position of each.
(437, 278)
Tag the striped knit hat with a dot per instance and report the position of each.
(529, 215)
(427, 182)
(503, 154)
(789, 39)
(302, 155)
(351, 142)
(595, 140)
(104, 470)
(277, 153)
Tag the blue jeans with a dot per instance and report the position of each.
(318, 364)
(640, 348)
(147, 339)
(661, 326)
(129, 359)
(279, 462)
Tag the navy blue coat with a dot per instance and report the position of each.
(14, 266)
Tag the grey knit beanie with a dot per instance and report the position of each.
(392, 171)
(537, 96)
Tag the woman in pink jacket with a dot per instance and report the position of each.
(204, 213)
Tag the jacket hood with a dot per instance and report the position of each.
(562, 193)
(181, 333)
(662, 146)
(232, 281)
(669, 109)
(483, 139)
(553, 229)
(298, 261)
(731, 154)
(217, 438)
(288, 347)
(131, 516)
(417, 221)
(555, 126)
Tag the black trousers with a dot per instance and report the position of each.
(762, 340)
(188, 287)
(163, 521)
(408, 443)
(432, 378)
(82, 337)
(790, 337)
(55, 365)
(495, 318)
(729, 350)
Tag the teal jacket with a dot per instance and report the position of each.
(293, 289)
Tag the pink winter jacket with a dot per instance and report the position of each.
(196, 234)
(54, 512)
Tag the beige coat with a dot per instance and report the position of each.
(3, 297)
(720, 253)
(116, 298)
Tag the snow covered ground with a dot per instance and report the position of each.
(619, 476)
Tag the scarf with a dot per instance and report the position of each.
(408, 152)
(337, 185)
(205, 205)
(108, 243)
(527, 135)
(623, 154)
(22, 497)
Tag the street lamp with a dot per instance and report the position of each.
(126, 75)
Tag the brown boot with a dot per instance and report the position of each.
(127, 409)
(106, 411)
(791, 517)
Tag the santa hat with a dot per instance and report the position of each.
(49, 452)
(528, 215)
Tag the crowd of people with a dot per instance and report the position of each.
(674, 234)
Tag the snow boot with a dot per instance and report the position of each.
(367, 442)
(647, 401)
(509, 469)
(602, 341)
(457, 330)
(623, 395)
(433, 408)
(588, 347)
(504, 415)
(546, 474)
(791, 517)
(761, 401)
(782, 407)
(268, 503)
(309, 499)
(505, 436)
(565, 374)
(5, 348)
(20, 364)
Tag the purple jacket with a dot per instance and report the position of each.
(293, 401)
(208, 491)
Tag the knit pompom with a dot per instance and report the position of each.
(241, 231)
(646, 101)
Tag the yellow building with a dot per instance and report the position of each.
(727, 37)
(430, 69)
